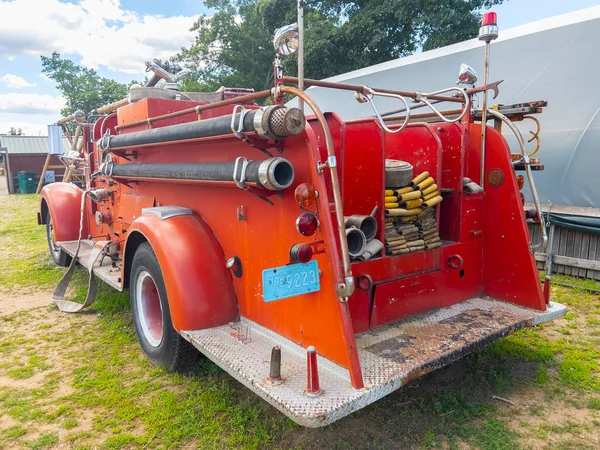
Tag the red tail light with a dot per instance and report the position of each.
(520, 181)
(307, 224)
(301, 253)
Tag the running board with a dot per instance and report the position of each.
(390, 356)
(103, 270)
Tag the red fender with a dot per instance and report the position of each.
(199, 286)
(63, 200)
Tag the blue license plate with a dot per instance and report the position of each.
(291, 280)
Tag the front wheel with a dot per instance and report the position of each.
(151, 315)
(59, 256)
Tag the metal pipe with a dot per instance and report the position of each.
(366, 224)
(361, 89)
(301, 51)
(198, 109)
(357, 242)
(273, 122)
(549, 251)
(451, 112)
(486, 70)
(536, 200)
(346, 288)
(111, 106)
(273, 174)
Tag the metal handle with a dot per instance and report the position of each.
(526, 162)
(240, 128)
(423, 98)
(372, 93)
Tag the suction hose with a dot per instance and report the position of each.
(273, 174)
(272, 122)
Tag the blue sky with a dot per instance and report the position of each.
(115, 37)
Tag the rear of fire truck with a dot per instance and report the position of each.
(323, 263)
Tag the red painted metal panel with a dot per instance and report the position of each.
(434, 289)
(451, 182)
(510, 271)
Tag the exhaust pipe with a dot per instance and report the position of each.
(357, 242)
(366, 224)
(273, 174)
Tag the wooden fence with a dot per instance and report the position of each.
(572, 252)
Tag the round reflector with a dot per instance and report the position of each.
(305, 194)
(307, 224)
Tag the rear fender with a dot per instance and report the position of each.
(199, 286)
(63, 201)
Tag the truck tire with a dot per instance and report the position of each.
(59, 256)
(152, 318)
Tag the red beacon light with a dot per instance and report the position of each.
(489, 27)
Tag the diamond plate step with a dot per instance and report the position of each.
(106, 272)
(390, 356)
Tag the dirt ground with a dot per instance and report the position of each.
(536, 418)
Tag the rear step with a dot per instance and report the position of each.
(390, 356)
(103, 269)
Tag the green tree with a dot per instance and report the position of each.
(83, 88)
(233, 47)
(15, 132)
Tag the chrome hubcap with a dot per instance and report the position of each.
(149, 308)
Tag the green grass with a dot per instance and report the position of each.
(117, 399)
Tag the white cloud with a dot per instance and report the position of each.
(100, 31)
(16, 103)
(29, 128)
(15, 82)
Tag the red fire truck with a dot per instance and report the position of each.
(285, 247)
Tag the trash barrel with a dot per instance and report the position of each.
(27, 183)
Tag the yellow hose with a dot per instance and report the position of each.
(424, 184)
(389, 192)
(391, 199)
(429, 189)
(412, 204)
(391, 205)
(400, 212)
(413, 195)
(416, 180)
(433, 201)
(431, 195)
(404, 190)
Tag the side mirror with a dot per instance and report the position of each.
(467, 75)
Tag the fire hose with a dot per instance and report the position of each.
(272, 122)
(273, 174)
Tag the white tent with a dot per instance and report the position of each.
(556, 59)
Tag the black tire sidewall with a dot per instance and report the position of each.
(63, 259)
(165, 354)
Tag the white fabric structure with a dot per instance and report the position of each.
(555, 59)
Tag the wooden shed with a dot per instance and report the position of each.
(27, 153)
